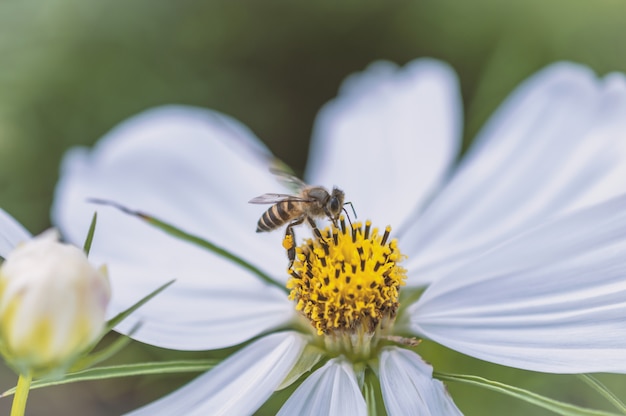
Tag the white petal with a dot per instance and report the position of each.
(555, 145)
(11, 233)
(408, 386)
(552, 300)
(389, 138)
(185, 317)
(195, 169)
(237, 386)
(332, 390)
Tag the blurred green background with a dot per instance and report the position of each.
(70, 70)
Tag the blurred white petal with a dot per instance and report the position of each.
(551, 300)
(237, 386)
(11, 233)
(557, 144)
(408, 386)
(195, 169)
(332, 390)
(389, 138)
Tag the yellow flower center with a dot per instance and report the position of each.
(348, 282)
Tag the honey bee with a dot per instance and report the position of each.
(311, 202)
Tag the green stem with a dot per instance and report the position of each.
(21, 395)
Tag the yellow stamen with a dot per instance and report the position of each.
(288, 242)
(347, 283)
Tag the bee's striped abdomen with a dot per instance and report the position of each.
(277, 215)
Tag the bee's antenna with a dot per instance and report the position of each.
(348, 216)
(351, 206)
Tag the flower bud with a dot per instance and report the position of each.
(52, 305)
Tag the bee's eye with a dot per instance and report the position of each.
(334, 205)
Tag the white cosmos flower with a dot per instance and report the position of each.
(525, 261)
(52, 301)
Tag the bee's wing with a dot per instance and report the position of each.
(286, 176)
(274, 198)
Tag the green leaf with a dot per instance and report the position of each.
(538, 400)
(123, 315)
(125, 370)
(99, 356)
(310, 357)
(90, 234)
(604, 391)
(194, 239)
(372, 394)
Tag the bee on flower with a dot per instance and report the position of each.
(311, 202)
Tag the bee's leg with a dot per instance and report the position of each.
(316, 230)
(290, 241)
(330, 217)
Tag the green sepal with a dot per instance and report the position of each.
(311, 355)
(96, 358)
(538, 400)
(125, 370)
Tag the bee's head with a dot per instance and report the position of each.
(335, 203)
